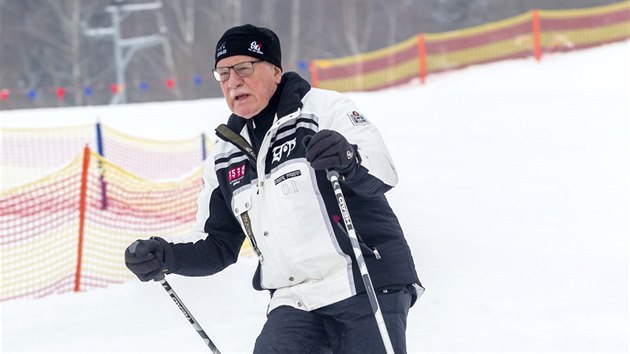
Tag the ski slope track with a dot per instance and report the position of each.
(514, 196)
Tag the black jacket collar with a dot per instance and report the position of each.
(291, 90)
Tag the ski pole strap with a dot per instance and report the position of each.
(247, 225)
(224, 132)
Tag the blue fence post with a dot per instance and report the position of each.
(99, 139)
(101, 170)
(203, 146)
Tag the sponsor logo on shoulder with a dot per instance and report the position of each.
(235, 175)
(357, 118)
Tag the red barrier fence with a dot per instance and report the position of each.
(531, 34)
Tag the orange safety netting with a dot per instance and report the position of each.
(530, 34)
(28, 154)
(153, 159)
(68, 231)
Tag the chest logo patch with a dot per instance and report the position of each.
(285, 148)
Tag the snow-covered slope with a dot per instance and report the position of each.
(514, 196)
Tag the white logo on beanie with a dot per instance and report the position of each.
(255, 47)
(222, 50)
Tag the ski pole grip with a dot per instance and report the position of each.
(133, 246)
(332, 173)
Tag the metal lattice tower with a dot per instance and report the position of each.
(125, 48)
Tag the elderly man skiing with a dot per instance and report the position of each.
(268, 180)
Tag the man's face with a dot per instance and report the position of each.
(247, 96)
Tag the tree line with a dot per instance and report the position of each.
(44, 45)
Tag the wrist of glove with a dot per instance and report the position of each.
(329, 150)
(148, 259)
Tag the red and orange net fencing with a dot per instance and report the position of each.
(68, 231)
(27, 154)
(530, 34)
(153, 159)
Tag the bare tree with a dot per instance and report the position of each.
(237, 7)
(41, 46)
(69, 14)
(3, 4)
(267, 13)
(166, 46)
(350, 31)
(296, 20)
(185, 20)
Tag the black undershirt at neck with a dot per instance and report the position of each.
(259, 124)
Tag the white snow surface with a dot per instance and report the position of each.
(514, 195)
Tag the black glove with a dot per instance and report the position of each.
(329, 150)
(146, 258)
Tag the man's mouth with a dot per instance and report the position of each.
(241, 97)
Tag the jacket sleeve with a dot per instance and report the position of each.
(216, 235)
(377, 172)
(203, 201)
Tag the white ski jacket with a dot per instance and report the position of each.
(269, 193)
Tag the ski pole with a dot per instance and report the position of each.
(189, 316)
(180, 304)
(333, 176)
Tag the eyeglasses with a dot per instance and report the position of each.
(243, 69)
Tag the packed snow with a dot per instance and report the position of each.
(514, 195)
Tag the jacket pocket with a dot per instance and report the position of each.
(241, 202)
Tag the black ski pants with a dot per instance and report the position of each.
(345, 327)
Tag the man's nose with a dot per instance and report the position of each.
(234, 80)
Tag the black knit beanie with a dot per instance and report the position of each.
(257, 42)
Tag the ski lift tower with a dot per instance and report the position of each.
(125, 48)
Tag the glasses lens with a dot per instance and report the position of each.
(221, 74)
(244, 69)
(241, 69)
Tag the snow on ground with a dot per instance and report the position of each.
(514, 195)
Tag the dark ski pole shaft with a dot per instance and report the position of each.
(189, 316)
(333, 176)
(183, 308)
